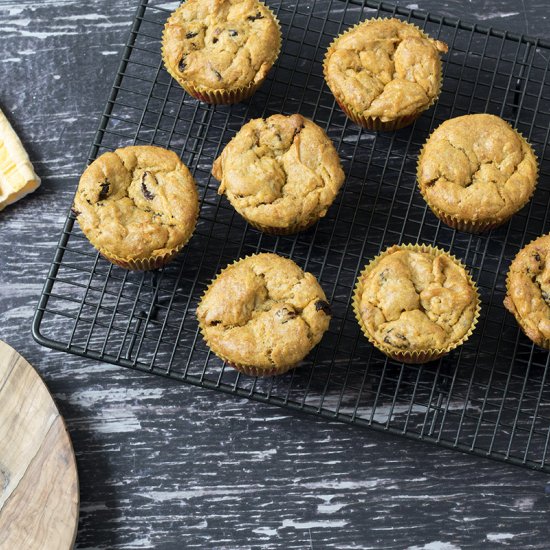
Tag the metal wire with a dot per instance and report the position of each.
(490, 397)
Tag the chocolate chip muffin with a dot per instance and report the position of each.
(528, 291)
(281, 174)
(475, 172)
(220, 51)
(384, 73)
(263, 314)
(138, 206)
(415, 303)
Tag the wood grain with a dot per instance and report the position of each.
(38, 478)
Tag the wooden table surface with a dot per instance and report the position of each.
(165, 465)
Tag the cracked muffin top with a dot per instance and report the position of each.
(264, 311)
(528, 290)
(221, 44)
(477, 167)
(137, 202)
(417, 299)
(280, 172)
(384, 68)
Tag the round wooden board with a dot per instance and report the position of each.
(39, 495)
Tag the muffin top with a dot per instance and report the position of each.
(221, 44)
(528, 297)
(137, 202)
(264, 311)
(417, 299)
(384, 68)
(280, 172)
(477, 167)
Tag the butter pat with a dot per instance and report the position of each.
(17, 175)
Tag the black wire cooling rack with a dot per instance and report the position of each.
(490, 397)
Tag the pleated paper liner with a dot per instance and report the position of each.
(249, 370)
(140, 264)
(543, 343)
(468, 226)
(474, 225)
(374, 123)
(258, 372)
(219, 96)
(143, 264)
(370, 122)
(411, 356)
(291, 230)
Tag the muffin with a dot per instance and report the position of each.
(281, 174)
(263, 314)
(528, 291)
(475, 172)
(416, 303)
(384, 73)
(220, 51)
(138, 206)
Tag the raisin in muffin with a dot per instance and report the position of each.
(416, 303)
(263, 314)
(528, 290)
(137, 205)
(475, 172)
(281, 174)
(220, 51)
(384, 72)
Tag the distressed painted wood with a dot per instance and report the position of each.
(38, 479)
(163, 465)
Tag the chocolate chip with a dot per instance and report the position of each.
(321, 305)
(182, 64)
(215, 323)
(537, 256)
(285, 315)
(387, 340)
(218, 75)
(255, 17)
(104, 191)
(233, 33)
(146, 193)
(75, 212)
(383, 276)
(191, 34)
(214, 40)
(391, 339)
(297, 131)
(546, 297)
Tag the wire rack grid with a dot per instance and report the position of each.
(490, 397)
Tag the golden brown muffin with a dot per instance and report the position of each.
(384, 72)
(528, 290)
(263, 314)
(281, 174)
(220, 51)
(416, 303)
(138, 206)
(475, 172)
